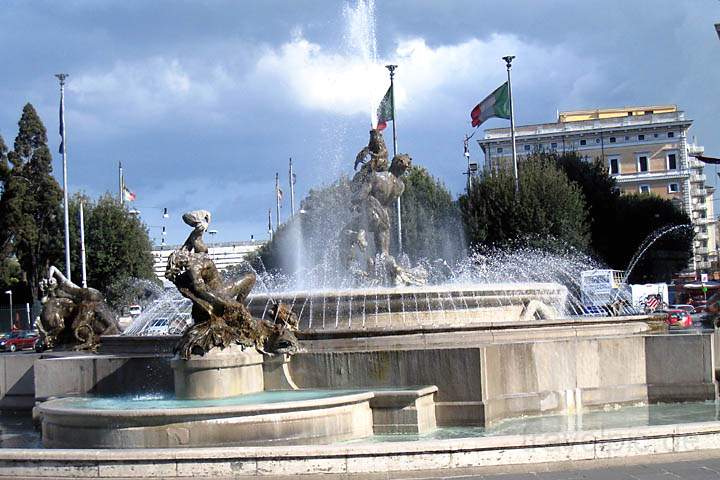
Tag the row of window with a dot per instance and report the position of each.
(583, 142)
(672, 188)
(642, 163)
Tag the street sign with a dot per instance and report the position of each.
(703, 277)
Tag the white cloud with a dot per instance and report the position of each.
(340, 80)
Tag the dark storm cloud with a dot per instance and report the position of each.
(204, 101)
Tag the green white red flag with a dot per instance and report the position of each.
(497, 104)
(385, 110)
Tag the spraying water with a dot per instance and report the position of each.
(648, 242)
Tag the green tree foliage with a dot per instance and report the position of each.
(30, 213)
(117, 245)
(548, 211)
(308, 238)
(601, 196)
(431, 223)
(638, 216)
(619, 224)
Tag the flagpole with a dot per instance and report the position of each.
(508, 64)
(63, 151)
(121, 194)
(82, 246)
(392, 105)
(277, 200)
(292, 191)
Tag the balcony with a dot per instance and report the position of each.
(699, 192)
(701, 236)
(698, 178)
(701, 251)
(699, 206)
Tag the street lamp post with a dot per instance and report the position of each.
(9, 292)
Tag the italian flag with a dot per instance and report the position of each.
(497, 104)
(128, 195)
(385, 110)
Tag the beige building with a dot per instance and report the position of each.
(645, 148)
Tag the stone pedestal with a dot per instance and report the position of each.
(220, 373)
(406, 410)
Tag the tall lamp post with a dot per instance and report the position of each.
(9, 292)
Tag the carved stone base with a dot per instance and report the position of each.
(219, 373)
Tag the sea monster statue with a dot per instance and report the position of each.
(375, 190)
(218, 309)
(73, 316)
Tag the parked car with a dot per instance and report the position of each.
(18, 341)
(688, 308)
(134, 310)
(678, 319)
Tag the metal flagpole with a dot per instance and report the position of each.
(120, 184)
(392, 105)
(63, 151)
(292, 190)
(277, 200)
(508, 64)
(82, 246)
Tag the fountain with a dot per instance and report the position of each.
(219, 377)
(343, 367)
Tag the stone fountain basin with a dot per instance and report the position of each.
(424, 305)
(278, 417)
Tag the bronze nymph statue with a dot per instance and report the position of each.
(73, 316)
(375, 191)
(219, 312)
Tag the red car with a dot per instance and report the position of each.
(678, 319)
(18, 341)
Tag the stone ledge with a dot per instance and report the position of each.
(362, 457)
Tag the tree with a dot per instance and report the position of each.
(117, 244)
(637, 217)
(619, 224)
(601, 195)
(30, 203)
(431, 223)
(548, 210)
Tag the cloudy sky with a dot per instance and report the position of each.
(203, 101)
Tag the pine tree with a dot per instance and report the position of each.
(30, 204)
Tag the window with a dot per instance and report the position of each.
(553, 145)
(614, 166)
(655, 135)
(673, 188)
(527, 147)
(644, 188)
(627, 138)
(583, 142)
(641, 138)
(499, 150)
(672, 161)
(597, 140)
(671, 134)
(612, 139)
(642, 163)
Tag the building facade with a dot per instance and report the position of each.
(223, 254)
(646, 149)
